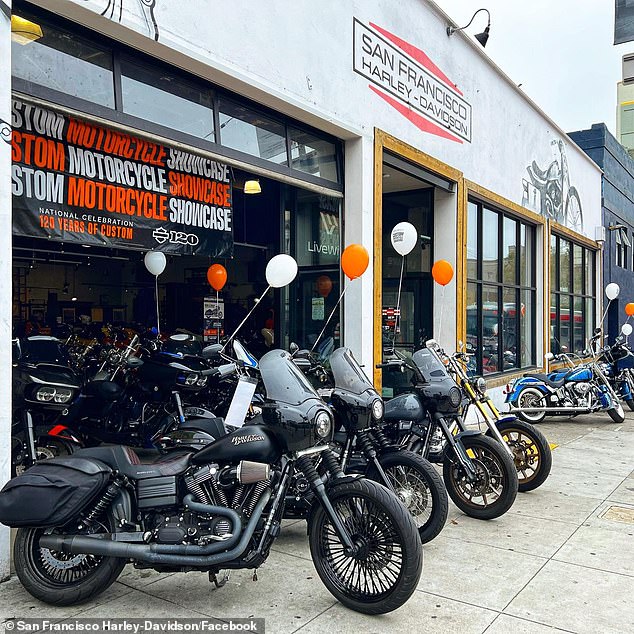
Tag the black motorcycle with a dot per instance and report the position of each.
(89, 514)
(619, 374)
(479, 474)
(363, 448)
(44, 386)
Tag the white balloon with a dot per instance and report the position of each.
(404, 237)
(626, 329)
(281, 270)
(155, 262)
(612, 290)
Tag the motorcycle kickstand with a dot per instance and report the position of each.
(213, 578)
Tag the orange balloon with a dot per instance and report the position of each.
(354, 260)
(629, 309)
(217, 276)
(324, 285)
(442, 272)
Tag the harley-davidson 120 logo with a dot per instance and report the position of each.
(407, 79)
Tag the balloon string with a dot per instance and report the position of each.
(235, 332)
(332, 312)
(442, 305)
(219, 322)
(158, 324)
(398, 303)
(605, 313)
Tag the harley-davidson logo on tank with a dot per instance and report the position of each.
(79, 182)
(407, 79)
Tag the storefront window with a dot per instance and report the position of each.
(247, 130)
(572, 313)
(66, 63)
(500, 292)
(313, 155)
(163, 98)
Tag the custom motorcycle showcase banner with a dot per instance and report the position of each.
(74, 181)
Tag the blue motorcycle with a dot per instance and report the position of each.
(616, 363)
(581, 388)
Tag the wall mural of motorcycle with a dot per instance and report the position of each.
(548, 191)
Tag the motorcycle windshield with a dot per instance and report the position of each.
(43, 350)
(283, 380)
(429, 365)
(347, 373)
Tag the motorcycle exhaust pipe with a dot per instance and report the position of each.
(164, 554)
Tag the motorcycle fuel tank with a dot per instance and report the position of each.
(251, 442)
(404, 407)
(580, 374)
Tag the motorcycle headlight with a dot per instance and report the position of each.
(202, 381)
(323, 424)
(377, 409)
(455, 397)
(189, 379)
(45, 394)
(481, 385)
(63, 395)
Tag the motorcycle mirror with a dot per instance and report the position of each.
(597, 331)
(293, 348)
(549, 356)
(564, 348)
(470, 348)
(212, 351)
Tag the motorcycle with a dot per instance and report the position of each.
(479, 473)
(525, 444)
(362, 447)
(580, 388)
(44, 385)
(621, 377)
(80, 519)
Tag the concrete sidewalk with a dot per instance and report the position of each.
(561, 560)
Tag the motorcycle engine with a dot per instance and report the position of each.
(581, 389)
(236, 487)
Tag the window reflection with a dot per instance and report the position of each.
(509, 251)
(250, 131)
(527, 301)
(577, 271)
(564, 265)
(313, 155)
(508, 356)
(489, 246)
(490, 328)
(163, 98)
(472, 241)
(67, 63)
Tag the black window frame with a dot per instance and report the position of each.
(529, 286)
(588, 271)
(117, 116)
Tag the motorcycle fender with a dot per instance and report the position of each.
(467, 432)
(511, 397)
(509, 418)
(63, 434)
(329, 485)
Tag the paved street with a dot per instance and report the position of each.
(561, 560)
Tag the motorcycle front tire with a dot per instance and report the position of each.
(387, 567)
(527, 444)
(616, 413)
(418, 486)
(494, 466)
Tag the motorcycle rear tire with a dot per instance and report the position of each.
(374, 516)
(35, 568)
(406, 469)
(533, 395)
(538, 448)
(616, 413)
(496, 457)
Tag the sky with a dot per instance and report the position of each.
(560, 51)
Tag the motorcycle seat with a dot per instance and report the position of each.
(125, 461)
(544, 378)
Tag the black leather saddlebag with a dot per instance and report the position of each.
(52, 492)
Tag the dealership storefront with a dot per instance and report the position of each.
(138, 127)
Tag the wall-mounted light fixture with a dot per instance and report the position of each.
(24, 31)
(252, 187)
(481, 37)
